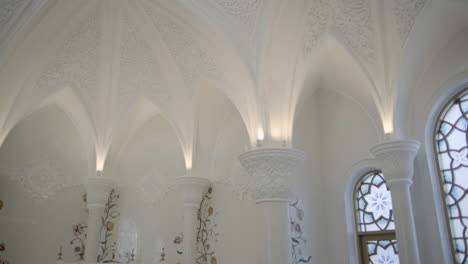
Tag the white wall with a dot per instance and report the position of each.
(43, 145)
(336, 133)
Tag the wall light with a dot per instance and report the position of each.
(260, 137)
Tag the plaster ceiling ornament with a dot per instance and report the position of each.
(7, 13)
(406, 12)
(273, 170)
(316, 23)
(245, 11)
(139, 68)
(75, 64)
(42, 178)
(192, 61)
(353, 21)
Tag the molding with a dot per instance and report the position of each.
(396, 158)
(273, 171)
(97, 191)
(192, 190)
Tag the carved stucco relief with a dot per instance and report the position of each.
(7, 12)
(139, 68)
(192, 60)
(406, 12)
(42, 178)
(245, 11)
(316, 23)
(273, 171)
(353, 21)
(75, 64)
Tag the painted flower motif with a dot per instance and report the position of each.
(210, 211)
(2, 246)
(179, 239)
(379, 202)
(213, 260)
(77, 249)
(297, 228)
(78, 229)
(210, 189)
(85, 198)
(459, 158)
(300, 214)
(110, 225)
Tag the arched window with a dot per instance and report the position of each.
(375, 222)
(451, 146)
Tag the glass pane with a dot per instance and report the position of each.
(382, 252)
(374, 204)
(451, 143)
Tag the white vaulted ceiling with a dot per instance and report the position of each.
(113, 64)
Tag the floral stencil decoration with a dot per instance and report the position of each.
(2, 249)
(78, 241)
(298, 240)
(207, 235)
(107, 248)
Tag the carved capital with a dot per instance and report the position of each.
(97, 191)
(396, 159)
(192, 190)
(274, 171)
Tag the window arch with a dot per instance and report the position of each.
(375, 221)
(451, 148)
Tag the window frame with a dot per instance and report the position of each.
(440, 114)
(362, 237)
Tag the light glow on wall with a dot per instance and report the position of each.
(260, 134)
(388, 126)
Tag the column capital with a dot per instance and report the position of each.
(97, 191)
(274, 171)
(396, 159)
(192, 190)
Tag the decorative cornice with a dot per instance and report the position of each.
(192, 190)
(274, 171)
(396, 158)
(97, 191)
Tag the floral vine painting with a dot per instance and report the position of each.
(207, 235)
(107, 247)
(3, 249)
(298, 240)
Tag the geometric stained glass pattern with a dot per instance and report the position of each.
(451, 142)
(382, 252)
(373, 203)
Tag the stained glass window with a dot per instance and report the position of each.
(375, 221)
(382, 252)
(374, 204)
(451, 142)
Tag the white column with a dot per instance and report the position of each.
(396, 159)
(274, 171)
(192, 190)
(97, 193)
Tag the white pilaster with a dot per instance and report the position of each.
(274, 171)
(97, 193)
(396, 159)
(192, 190)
